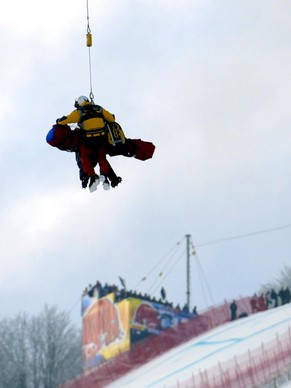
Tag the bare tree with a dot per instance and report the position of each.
(282, 280)
(39, 352)
(285, 277)
(13, 353)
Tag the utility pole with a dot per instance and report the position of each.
(188, 292)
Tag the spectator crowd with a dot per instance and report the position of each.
(270, 299)
(263, 302)
(99, 291)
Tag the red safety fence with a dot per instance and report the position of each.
(221, 314)
(257, 366)
(145, 350)
(141, 352)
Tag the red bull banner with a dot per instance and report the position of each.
(149, 318)
(109, 328)
(105, 330)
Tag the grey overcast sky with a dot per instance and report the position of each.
(208, 82)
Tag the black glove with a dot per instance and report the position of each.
(61, 119)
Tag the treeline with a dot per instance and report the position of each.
(40, 351)
(283, 280)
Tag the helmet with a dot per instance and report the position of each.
(80, 101)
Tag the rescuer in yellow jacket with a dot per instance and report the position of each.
(91, 120)
(90, 117)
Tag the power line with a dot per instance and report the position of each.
(171, 252)
(164, 274)
(250, 234)
(202, 276)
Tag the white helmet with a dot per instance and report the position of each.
(80, 101)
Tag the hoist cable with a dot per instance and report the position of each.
(91, 95)
(88, 24)
(89, 44)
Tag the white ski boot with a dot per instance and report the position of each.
(94, 182)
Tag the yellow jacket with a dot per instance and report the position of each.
(89, 118)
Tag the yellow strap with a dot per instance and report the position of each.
(95, 134)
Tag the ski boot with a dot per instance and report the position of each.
(105, 182)
(84, 182)
(94, 182)
(116, 181)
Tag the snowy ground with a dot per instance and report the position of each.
(207, 350)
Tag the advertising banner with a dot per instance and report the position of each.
(110, 327)
(105, 330)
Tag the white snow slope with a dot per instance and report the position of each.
(207, 350)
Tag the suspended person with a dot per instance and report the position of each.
(114, 179)
(66, 139)
(92, 120)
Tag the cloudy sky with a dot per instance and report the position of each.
(208, 82)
